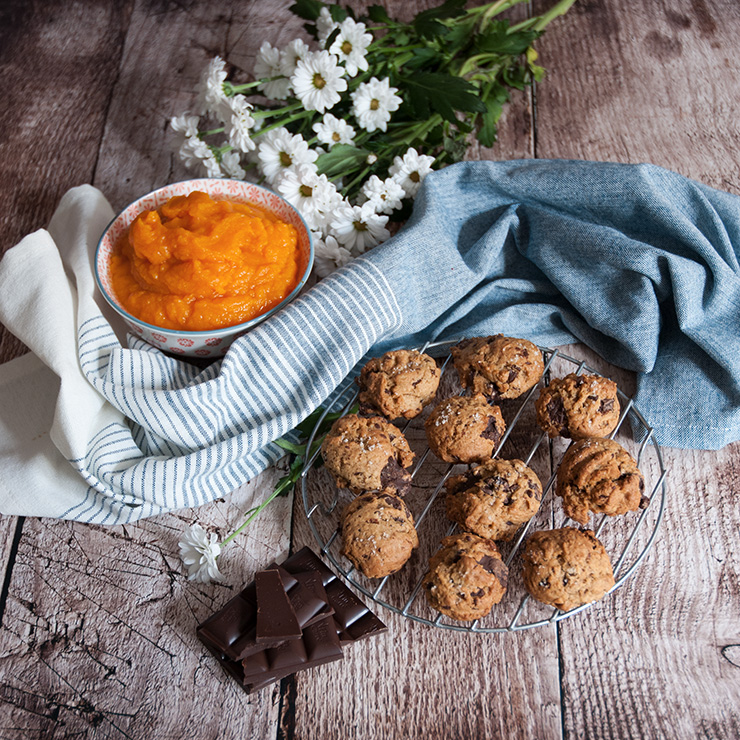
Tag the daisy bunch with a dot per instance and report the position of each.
(347, 122)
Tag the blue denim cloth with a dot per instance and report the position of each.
(637, 262)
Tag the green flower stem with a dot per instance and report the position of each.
(230, 89)
(284, 122)
(366, 171)
(271, 112)
(255, 512)
(202, 134)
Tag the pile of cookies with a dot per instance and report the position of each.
(368, 455)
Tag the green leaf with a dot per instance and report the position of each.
(443, 93)
(427, 23)
(494, 106)
(331, 38)
(291, 447)
(340, 160)
(496, 39)
(309, 10)
(537, 72)
(423, 58)
(338, 13)
(377, 14)
(459, 36)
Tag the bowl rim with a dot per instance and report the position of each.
(226, 330)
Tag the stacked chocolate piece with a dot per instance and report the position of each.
(293, 616)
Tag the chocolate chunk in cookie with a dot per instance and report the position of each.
(599, 475)
(399, 383)
(566, 567)
(466, 577)
(578, 406)
(498, 366)
(464, 429)
(367, 454)
(494, 499)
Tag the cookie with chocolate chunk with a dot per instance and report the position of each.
(599, 475)
(464, 429)
(578, 406)
(378, 533)
(494, 499)
(367, 454)
(498, 366)
(399, 383)
(466, 577)
(566, 567)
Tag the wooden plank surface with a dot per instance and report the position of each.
(97, 628)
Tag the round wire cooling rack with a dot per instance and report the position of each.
(627, 538)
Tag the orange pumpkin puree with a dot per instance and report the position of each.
(197, 264)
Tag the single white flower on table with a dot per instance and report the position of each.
(332, 130)
(328, 255)
(210, 88)
(318, 81)
(409, 172)
(231, 165)
(199, 551)
(359, 228)
(385, 195)
(279, 150)
(185, 124)
(350, 46)
(373, 102)
(267, 65)
(309, 192)
(325, 24)
(291, 55)
(241, 123)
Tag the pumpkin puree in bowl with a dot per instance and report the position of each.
(197, 264)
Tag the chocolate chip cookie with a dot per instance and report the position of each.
(367, 454)
(378, 534)
(599, 475)
(464, 429)
(578, 406)
(466, 577)
(494, 499)
(498, 366)
(566, 567)
(399, 383)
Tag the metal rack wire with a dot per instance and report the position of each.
(509, 616)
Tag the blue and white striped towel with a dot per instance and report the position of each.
(636, 261)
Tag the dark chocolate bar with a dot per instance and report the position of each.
(231, 631)
(354, 620)
(276, 620)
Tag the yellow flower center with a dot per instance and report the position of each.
(346, 47)
(335, 136)
(414, 176)
(318, 81)
(306, 191)
(285, 159)
(374, 104)
(360, 226)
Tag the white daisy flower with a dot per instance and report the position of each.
(211, 96)
(266, 65)
(199, 551)
(331, 130)
(325, 24)
(211, 167)
(291, 55)
(185, 124)
(410, 171)
(309, 192)
(193, 151)
(279, 151)
(328, 255)
(385, 195)
(231, 165)
(358, 227)
(371, 158)
(318, 82)
(351, 46)
(240, 124)
(373, 102)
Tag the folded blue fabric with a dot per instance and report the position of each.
(635, 261)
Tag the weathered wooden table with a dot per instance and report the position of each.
(98, 623)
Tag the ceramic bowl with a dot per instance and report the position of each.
(213, 343)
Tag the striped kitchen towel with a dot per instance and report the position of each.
(637, 262)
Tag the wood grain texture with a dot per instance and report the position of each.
(98, 635)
